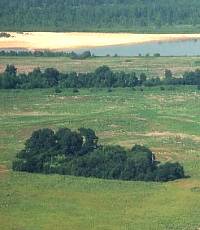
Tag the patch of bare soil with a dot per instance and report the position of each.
(188, 184)
(3, 170)
(170, 134)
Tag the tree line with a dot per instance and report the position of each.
(101, 15)
(78, 153)
(45, 53)
(102, 77)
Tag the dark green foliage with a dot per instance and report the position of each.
(38, 149)
(82, 56)
(169, 171)
(90, 140)
(78, 153)
(152, 82)
(156, 55)
(168, 74)
(75, 90)
(9, 79)
(69, 143)
(58, 90)
(103, 15)
(11, 70)
(143, 78)
(52, 76)
(46, 53)
(103, 77)
(192, 78)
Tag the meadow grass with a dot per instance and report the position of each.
(167, 121)
(153, 66)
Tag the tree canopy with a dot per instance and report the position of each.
(102, 77)
(101, 15)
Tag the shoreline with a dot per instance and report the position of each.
(81, 40)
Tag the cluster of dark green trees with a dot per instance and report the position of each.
(97, 15)
(77, 153)
(102, 77)
(50, 77)
(45, 53)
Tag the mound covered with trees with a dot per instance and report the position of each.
(102, 77)
(78, 153)
(99, 15)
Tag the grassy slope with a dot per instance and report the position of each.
(151, 65)
(166, 121)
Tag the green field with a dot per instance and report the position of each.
(166, 121)
(153, 66)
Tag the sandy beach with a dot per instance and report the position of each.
(77, 40)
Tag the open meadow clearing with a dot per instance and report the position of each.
(166, 121)
(152, 66)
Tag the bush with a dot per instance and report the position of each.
(58, 90)
(156, 55)
(169, 171)
(75, 90)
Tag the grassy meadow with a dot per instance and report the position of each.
(153, 66)
(166, 121)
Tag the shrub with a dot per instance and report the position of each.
(58, 90)
(156, 55)
(169, 171)
(75, 90)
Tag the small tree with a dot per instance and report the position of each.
(169, 171)
(168, 74)
(143, 78)
(90, 140)
(52, 76)
(10, 70)
(69, 143)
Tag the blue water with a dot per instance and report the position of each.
(177, 48)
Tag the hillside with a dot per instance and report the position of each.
(167, 121)
(92, 15)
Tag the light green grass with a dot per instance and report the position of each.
(166, 121)
(153, 66)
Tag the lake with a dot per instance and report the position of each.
(176, 48)
(102, 44)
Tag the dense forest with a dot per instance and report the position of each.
(78, 153)
(102, 77)
(100, 15)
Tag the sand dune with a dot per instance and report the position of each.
(76, 40)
